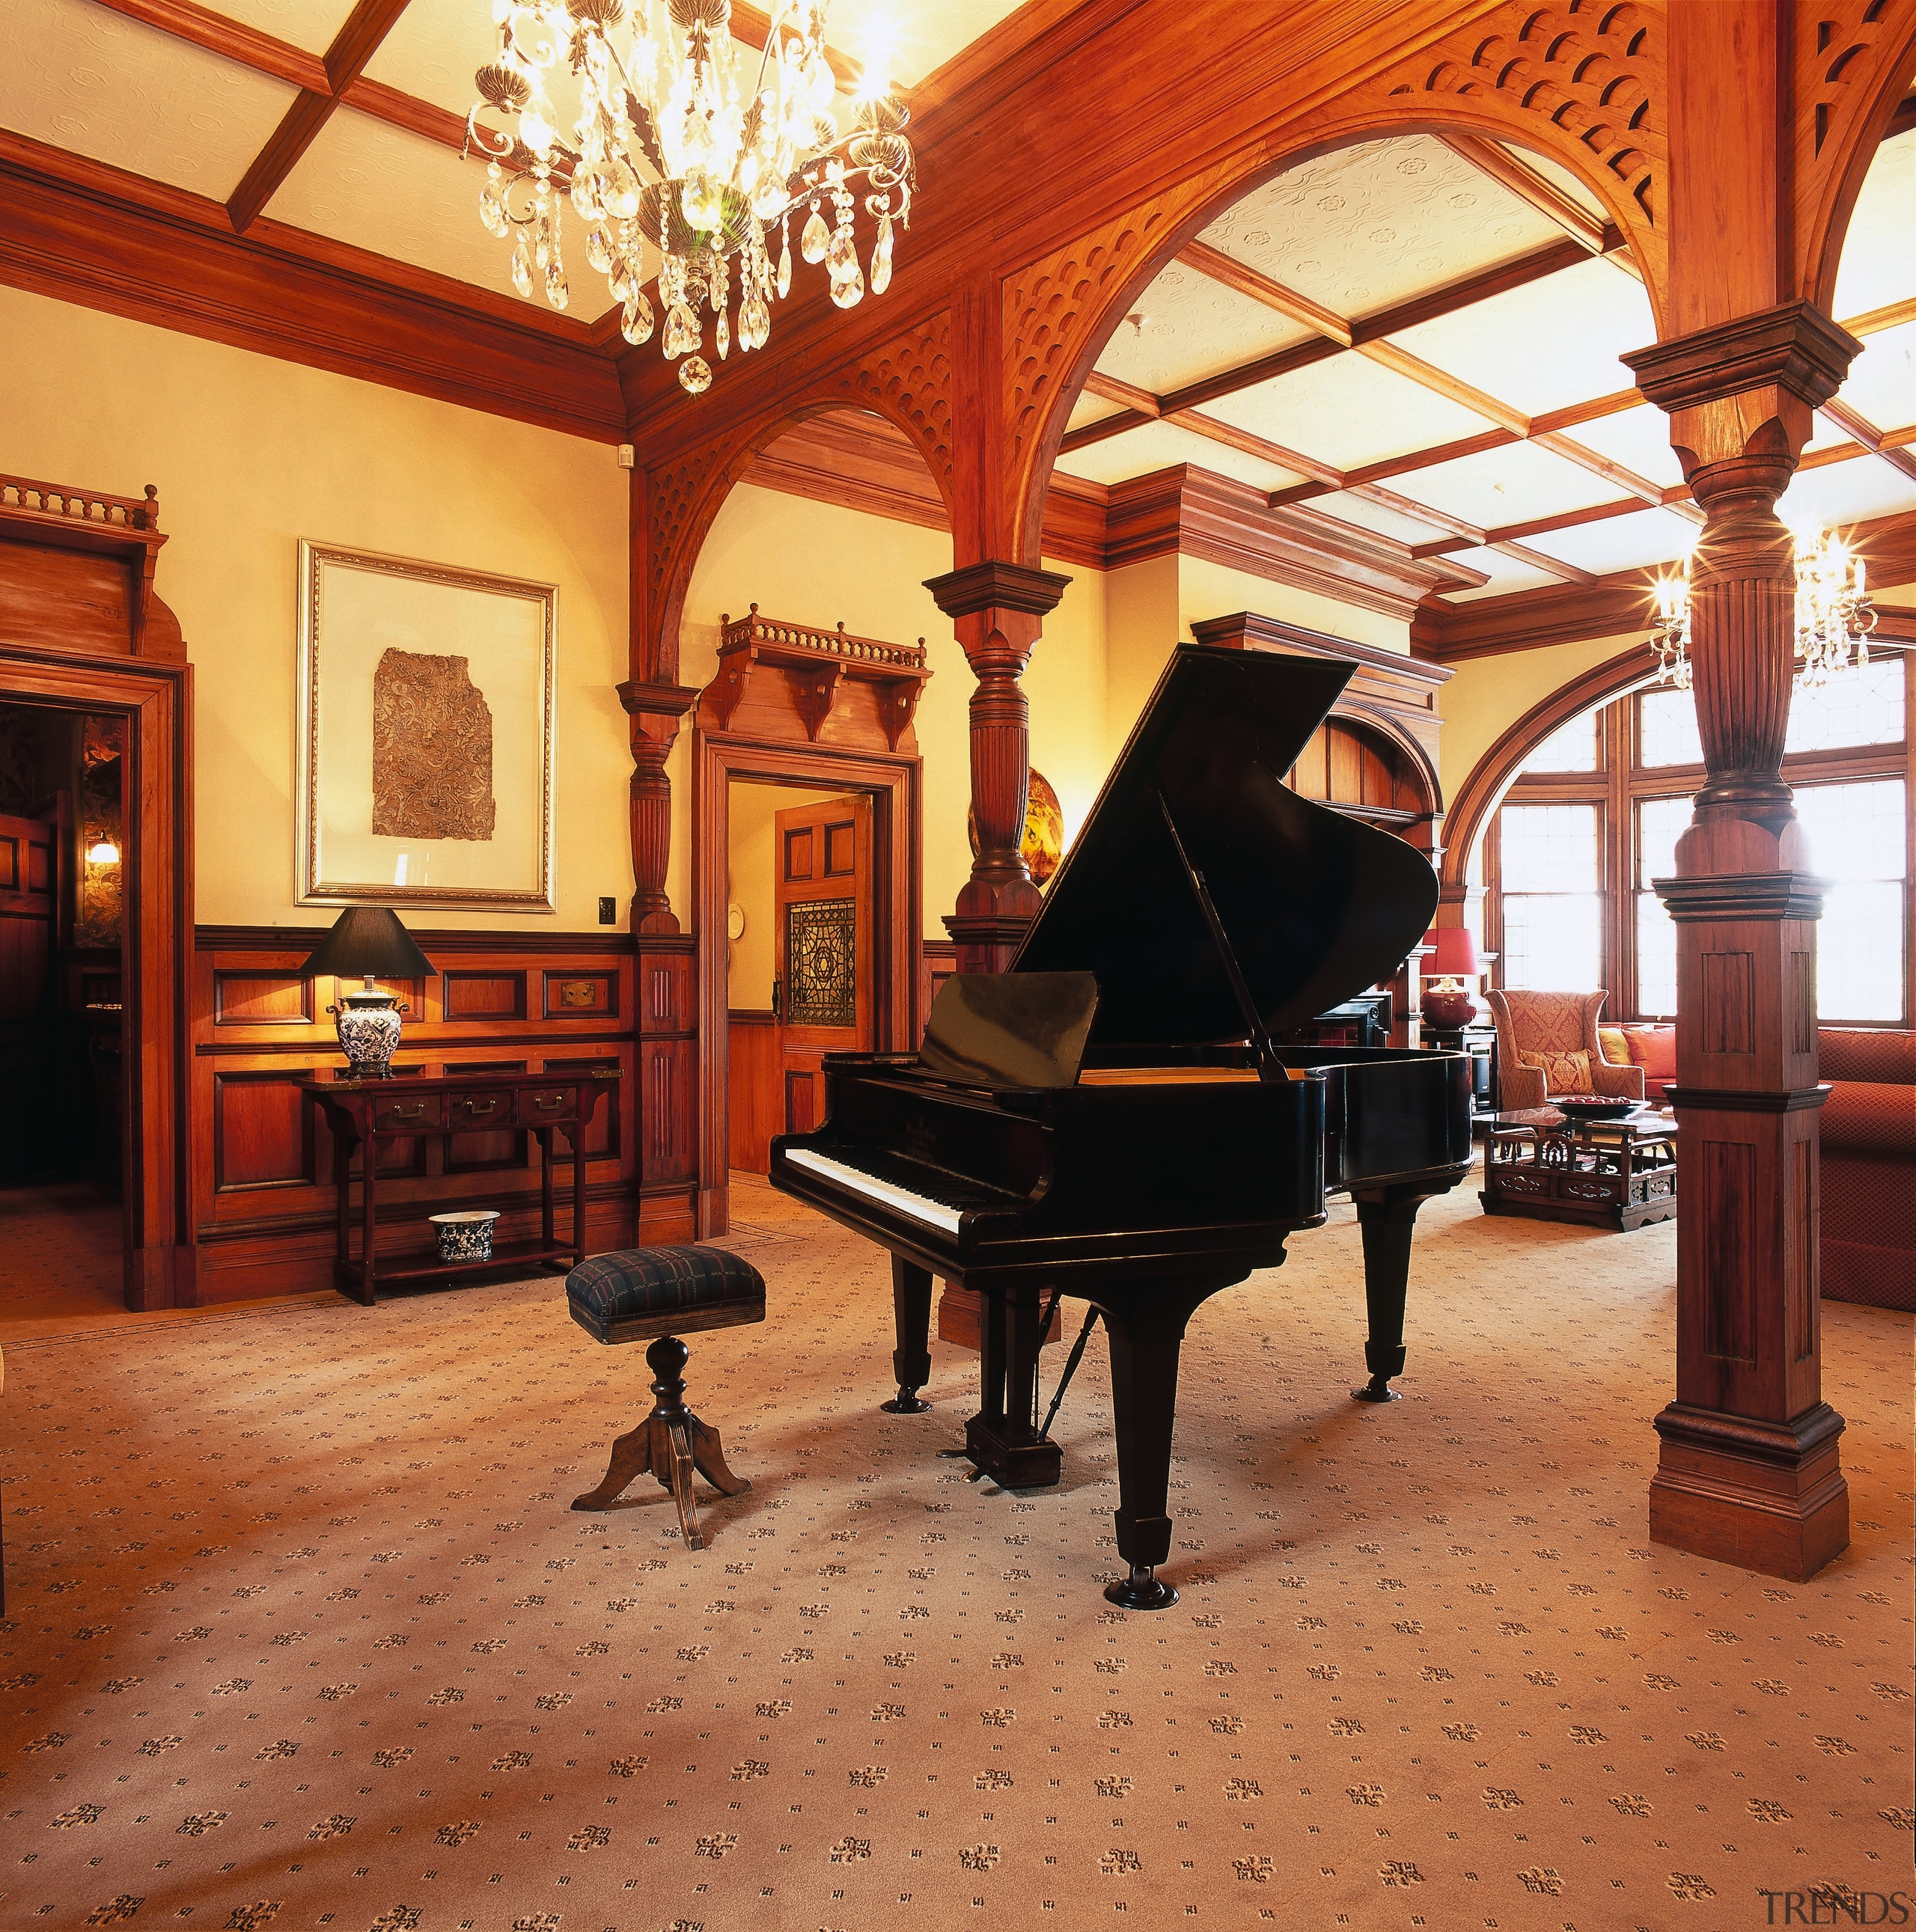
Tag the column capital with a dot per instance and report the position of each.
(993, 585)
(657, 701)
(1794, 347)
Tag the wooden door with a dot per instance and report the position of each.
(27, 899)
(822, 867)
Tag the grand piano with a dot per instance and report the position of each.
(1113, 1119)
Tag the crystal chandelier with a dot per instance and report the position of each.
(1834, 616)
(686, 150)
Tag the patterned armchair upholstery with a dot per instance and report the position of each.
(1547, 1044)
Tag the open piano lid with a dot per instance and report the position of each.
(1314, 905)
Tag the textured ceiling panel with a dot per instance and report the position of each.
(1619, 543)
(94, 82)
(1368, 227)
(434, 50)
(310, 24)
(1639, 439)
(1157, 446)
(1546, 345)
(1878, 265)
(1369, 516)
(1560, 177)
(1090, 409)
(1846, 493)
(1347, 411)
(1505, 574)
(1191, 327)
(1510, 485)
(400, 195)
(1882, 383)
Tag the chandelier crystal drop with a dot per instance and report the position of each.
(687, 147)
(1833, 620)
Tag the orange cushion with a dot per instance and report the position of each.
(1654, 1049)
(1616, 1048)
(1860, 1114)
(1562, 1073)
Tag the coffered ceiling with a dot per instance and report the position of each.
(1420, 337)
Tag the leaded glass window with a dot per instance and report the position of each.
(821, 963)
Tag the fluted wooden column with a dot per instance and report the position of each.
(1748, 1469)
(655, 710)
(997, 610)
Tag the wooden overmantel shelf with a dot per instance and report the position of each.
(816, 664)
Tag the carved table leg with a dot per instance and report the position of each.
(911, 1317)
(1386, 1219)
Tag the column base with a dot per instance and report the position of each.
(987, 942)
(1768, 1496)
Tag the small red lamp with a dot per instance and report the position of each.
(1450, 974)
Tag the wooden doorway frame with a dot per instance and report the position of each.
(155, 700)
(895, 786)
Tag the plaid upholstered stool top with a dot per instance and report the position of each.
(637, 1292)
(663, 1293)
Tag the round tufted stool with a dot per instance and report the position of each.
(661, 1293)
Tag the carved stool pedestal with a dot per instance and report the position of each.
(657, 1294)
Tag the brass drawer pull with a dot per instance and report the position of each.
(477, 1107)
(549, 1103)
(412, 1113)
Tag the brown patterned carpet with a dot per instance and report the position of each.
(303, 1632)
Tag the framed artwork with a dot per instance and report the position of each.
(425, 736)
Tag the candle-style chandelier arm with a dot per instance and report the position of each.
(668, 158)
(1834, 617)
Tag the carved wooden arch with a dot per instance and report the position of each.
(1483, 791)
(906, 379)
(1581, 83)
(1852, 62)
(1367, 718)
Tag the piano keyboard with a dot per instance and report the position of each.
(886, 1182)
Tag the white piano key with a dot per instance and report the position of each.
(933, 1213)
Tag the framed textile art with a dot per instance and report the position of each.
(425, 738)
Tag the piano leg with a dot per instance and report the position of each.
(911, 1318)
(1386, 1219)
(1146, 1332)
(1002, 1439)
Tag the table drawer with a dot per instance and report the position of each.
(417, 1111)
(541, 1106)
(487, 1107)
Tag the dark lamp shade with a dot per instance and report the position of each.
(1456, 955)
(367, 939)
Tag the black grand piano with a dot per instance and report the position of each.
(1112, 1119)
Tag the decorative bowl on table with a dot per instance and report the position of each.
(1593, 1106)
(467, 1235)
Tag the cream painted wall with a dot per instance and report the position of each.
(249, 455)
(816, 563)
(752, 959)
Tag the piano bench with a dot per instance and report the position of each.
(659, 1294)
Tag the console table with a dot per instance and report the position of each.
(366, 1114)
(1618, 1175)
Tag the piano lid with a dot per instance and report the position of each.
(1314, 905)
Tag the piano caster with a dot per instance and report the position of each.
(1377, 1389)
(907, 1402)
(1142, 1590)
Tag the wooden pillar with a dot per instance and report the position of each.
(655, 710)
(1748, 1470)
(997, 610)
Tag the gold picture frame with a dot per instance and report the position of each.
(425, 734)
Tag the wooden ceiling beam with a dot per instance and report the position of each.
(1537, 526)
(1613, 404)
(1865, 432)
(1452, 388)
(1891, 315)
(1528, 185)
(1251, 445)
(232, 39)
(1114, 390)
(397, 109)
(1227, 270)
(1552, 566)
(355, 44)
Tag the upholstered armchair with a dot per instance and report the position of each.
(1547, 1044)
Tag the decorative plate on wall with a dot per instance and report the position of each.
(1043, 843)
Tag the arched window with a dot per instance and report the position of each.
(1593, 818)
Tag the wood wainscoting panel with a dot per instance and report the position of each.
(262, 999)
(263, 1198)
(471, 995)
(667, 1142)
(754, 1109)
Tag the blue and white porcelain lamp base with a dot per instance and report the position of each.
(369, 1021)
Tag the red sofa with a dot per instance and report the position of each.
(1868, 1167)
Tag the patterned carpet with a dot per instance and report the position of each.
(303, 1632)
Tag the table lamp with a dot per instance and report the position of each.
(368, 941)
(1447, 1002)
